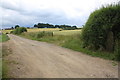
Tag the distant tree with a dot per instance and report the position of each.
(28, 27)
(74, 27)
(16, 26)
(68, 27)
(40, 25)
(46, 25)
(12, 27)
(35, 25)
(57, 26)
(52, 26)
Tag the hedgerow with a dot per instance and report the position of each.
(102, 29)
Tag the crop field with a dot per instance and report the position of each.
(67, 32)
(6, 31)
(56, 31)
(43, 29)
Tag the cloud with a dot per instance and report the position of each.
(28, 12)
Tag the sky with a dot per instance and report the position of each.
(26, 13)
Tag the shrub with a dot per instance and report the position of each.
(7, 33)
(19, 30)
(11, 32)
(102, 28)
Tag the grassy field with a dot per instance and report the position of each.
(56, 31)
(6, 31)
(43, 29)
(70, 39)
(0, 67)
(67, 32)
(34, 30)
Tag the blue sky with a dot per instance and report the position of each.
(29, 12)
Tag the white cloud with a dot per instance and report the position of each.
(28, 12)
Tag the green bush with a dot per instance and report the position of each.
(11, 32)
(19, 30)
(102, 28)
(37, 35)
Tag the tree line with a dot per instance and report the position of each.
(46, 25)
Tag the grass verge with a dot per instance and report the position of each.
(0, 67)
(5, 62)
(3, 52)
(4, 38)
(72, 42)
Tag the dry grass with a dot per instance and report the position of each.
(43, 29)
(67, 32)
(6, 31)
(56, 31)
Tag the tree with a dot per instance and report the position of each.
(46, 25)
(57, 26)
(35, 25)
(16, 26)
(12, 28)
(74, 27)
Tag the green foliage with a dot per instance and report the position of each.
(11, 32)
(38, 35)
(16, 26)
(43, 25)
(117, 49)
(19, 30)
(4, 38)
(101, 28)
(65, 27)
(5, 62)
(4, 69)
(75, 43)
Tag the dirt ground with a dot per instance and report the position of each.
(33, 59)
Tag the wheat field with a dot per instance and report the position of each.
(56, 31)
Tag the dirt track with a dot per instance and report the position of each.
(35, 59)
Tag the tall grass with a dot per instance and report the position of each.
(75, 43)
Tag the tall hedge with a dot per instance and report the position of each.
(102, 29)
